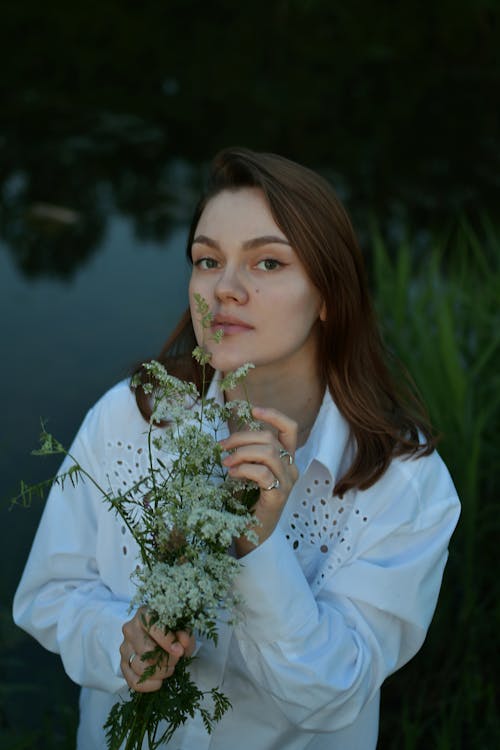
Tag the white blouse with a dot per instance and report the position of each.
(336, 599)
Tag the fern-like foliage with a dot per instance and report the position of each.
(158, 715)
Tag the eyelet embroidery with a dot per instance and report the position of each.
(125, 464)
(320, 529)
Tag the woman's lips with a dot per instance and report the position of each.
(230, 326)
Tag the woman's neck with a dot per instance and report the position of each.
(297, 395)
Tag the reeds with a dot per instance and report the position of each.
(440, 314)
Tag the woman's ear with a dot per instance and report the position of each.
(322, 312)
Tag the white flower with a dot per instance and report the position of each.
(183, 514)
(231, 379)
(189, 593)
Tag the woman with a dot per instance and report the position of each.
(355, 507)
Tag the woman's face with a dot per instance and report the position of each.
(256, 287)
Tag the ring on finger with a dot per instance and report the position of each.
(131, 658)
(286, 454)
(273, 486)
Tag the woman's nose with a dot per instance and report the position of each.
(231, 286)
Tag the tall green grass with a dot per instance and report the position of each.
(440, 314)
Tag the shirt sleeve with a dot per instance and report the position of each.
(61, 599)
(322, 657)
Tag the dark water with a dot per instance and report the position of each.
(64, 342)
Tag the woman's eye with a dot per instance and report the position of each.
(268, 264)
(206, 263)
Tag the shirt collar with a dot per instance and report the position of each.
(329, 441)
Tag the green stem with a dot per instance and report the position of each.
(135, 739)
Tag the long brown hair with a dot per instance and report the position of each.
(385, 414)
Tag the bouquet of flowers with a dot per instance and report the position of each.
(183, 515)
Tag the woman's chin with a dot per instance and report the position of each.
(226, 364)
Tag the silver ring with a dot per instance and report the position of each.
(284, 453)
(131, 658)
(273, 486)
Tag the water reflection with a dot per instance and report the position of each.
(65, 341)
(58, 197)
(59, 189)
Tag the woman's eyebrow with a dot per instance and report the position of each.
(203, 240)
(268, 239)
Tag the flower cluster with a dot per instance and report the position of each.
(184, 522)
(183, 515)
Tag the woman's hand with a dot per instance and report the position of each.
(266, 457)
(139, 638)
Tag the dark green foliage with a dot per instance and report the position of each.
(178, 699)
(441, 316)
(395, 101)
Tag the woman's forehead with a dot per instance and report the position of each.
(245, 212)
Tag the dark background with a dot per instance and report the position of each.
(109, 113)
(397, 102)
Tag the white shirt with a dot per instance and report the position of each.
(336, 599)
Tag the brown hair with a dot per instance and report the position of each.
(385, 415)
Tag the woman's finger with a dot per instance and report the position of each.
(139, 639)
(187, 641)
(282, 430)
(262, 465)
(261, 475)
(286, 427)
(167, 641)
(135, 666)
(246, 437)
